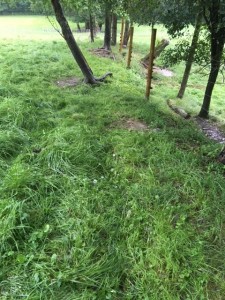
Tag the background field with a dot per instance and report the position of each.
(88, 208)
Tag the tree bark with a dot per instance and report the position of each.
(91, 27)
(190, 55)
(114, 30)
(107, 36)
(213, 21)
(126, 33)
(72, 44)
(87, 25)
(78, 27)
(100, 26)
(217, 46)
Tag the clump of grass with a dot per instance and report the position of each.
(12, 141)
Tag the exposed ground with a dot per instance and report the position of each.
(211, 130)
(101, 52)
(130, 124)
(163, 71)
(68, 82)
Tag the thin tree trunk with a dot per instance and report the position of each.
(100, 26)
(190, 55)
(217, 45)
(114, 29)
(95, 26)
(91, 27)
(87, 25)
(126, 33)
(107, 36)
(78, 27)
(72, 44)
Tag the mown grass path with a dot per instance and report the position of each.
(91, 210)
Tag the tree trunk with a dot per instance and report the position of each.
(78, 27)
(107, 36)
(114, 29)
(217, 46)
(190, 55)
(126, 33)
(100, 26)
(91, 27)
(72, 44)
(87, 25)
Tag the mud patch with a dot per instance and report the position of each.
(211, 130)
(130, 125)
(103, 53)
(68, 82)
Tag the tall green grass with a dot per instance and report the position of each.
(89, 209)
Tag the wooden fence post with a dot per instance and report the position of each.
(150, 64)
(130, 46)
(121, 35)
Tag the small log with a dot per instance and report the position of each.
(178, 110)
(158, 50)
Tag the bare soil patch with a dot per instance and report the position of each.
(68, 82)
(164, 72)
(101, 52)
(130, 125)
(211, 130)
(197, 86)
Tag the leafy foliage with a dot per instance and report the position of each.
(179, 52)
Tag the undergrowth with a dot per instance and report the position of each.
(94, 211)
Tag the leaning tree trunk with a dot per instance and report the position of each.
(217, 45)
(72, 44)
(114, 29)
(107, 36)
(126, 33)
(191, 55)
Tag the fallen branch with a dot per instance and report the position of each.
(158, 50)
(178, 110)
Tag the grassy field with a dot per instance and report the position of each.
(89, 209)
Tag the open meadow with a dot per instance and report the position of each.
(104, 195)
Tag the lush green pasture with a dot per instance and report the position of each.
(91, 210)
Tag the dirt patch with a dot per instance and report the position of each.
(68, 82)
(164, 72)
(211, 130)
(103, 53)
(130, 125)
(197, 86)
